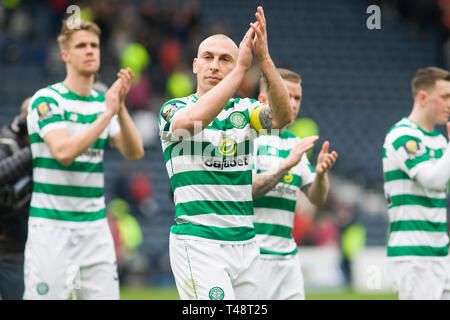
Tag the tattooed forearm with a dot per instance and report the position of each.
(264, 182)
(266, 117)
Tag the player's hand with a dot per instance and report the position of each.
(298, 150)
(126, 77)
(112, 98)
(325, 160)
(245, 57)
(260, 47)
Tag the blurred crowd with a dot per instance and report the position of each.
(158, 41)
(422, 15)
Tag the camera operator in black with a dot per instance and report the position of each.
(15, 194)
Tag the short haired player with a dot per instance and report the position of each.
(69, 250)
(416, 165)
(206, 138)
(281, 171)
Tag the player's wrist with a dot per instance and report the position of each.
(108, 114)
(265, 62)
(240, 70)
(321, 174)
(122, 109)
(285, 166)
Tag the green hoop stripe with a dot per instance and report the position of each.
(49, 163)
(425, 251)
(215, 233)
(414, 200)
(273, 230)
(68, 191)
(418, 225)
(264, 251)
(75, 216)
(395, 175)
(193, 208)
(275, 203)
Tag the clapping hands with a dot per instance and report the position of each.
(115, 96)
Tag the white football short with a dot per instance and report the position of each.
(281, 278)
(70, 258)
(420, 279)
(209, 270)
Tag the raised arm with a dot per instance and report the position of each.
(317, 191)
(278, 113)
(128, 141)
(266, 181)
(211, 103)
(436, 175)
(66, 148)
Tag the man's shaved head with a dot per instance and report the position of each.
(214, 37)
(216, 57)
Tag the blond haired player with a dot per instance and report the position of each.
(416, 165)
(206, 138)
(281, 171)
(69, 248)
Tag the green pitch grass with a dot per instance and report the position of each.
(168, 293)
(148, 293)
(350, 295)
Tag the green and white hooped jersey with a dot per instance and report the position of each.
(274, 212)
(418, 215)
(211, 172)
(74, 192)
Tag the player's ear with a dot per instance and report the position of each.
(194, 66)
(422, 96)
(64, 55)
